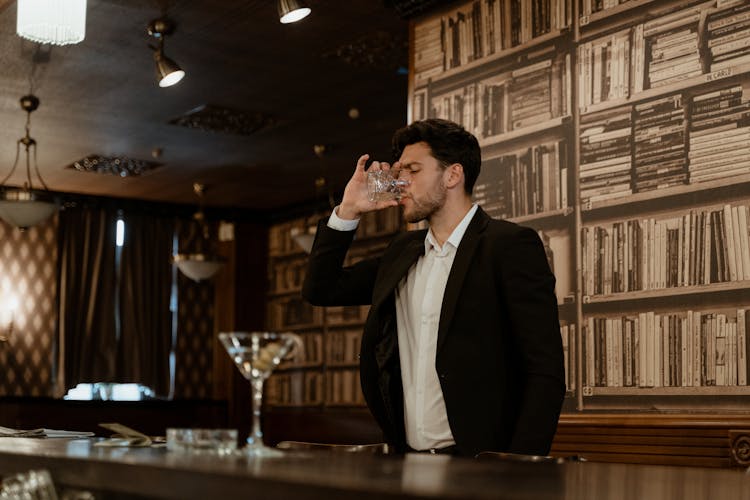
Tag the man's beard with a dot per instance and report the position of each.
(425, 208)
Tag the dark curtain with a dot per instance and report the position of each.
(145, 289)
(87, 340)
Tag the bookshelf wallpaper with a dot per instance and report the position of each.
(327, 374)
(618, 130)
(28, 309)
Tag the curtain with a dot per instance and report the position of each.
(87, 339)
(145, 290)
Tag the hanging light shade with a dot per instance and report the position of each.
(25, 209)
(168, 72)
(56, 22)
(199, 265)
(291, 11)
(25, 206)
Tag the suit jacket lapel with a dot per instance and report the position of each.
(461, 264)
(399, 266)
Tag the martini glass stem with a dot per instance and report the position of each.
(255, 440)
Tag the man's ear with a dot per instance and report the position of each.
(454, 175)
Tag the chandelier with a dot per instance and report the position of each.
(26, 207)
(199, 265)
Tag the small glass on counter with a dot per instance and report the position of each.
(202, 441)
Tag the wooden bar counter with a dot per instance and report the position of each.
(157, 473)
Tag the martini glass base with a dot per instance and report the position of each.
(260, 450)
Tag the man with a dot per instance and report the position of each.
(461, 351)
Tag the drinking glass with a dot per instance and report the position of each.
(382, 186)
(256, 355)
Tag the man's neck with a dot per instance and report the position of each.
(444, 221)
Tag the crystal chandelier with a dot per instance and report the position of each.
(26, 207)
(56, 22)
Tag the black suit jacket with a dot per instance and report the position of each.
(499, 352)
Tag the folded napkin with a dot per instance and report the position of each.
(125, 436)
(42, 433)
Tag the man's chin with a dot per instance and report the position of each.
(412, 218)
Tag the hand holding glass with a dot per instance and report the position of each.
(382, 186)
(256, 355)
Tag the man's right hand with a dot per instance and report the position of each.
(356, 201)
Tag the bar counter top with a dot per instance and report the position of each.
(158, 473)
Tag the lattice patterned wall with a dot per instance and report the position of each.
(28, 295)
(28, 278)
(195, 326)
(194, 350)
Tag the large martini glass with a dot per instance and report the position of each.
(257, 354)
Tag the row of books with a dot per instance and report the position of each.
(280, 240)
(682, 349)
(663, 154)
(568, 334)
(529, 181)
(312, 352)
(379, 223)
(603, 69)
(719, 134)
(310, 388)
(659, 137)
(509, 100)
(665, 50)
(343, 388)
(427, 50)
(299, 388)
(296, 312)
(342, 315)
(292, 312)
(606, 155)
(482, 28)
(588, 7)
(669, 46)
(698, 248)
(343, 346)
(286, 275)
(728, 37)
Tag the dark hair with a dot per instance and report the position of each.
(449, 142)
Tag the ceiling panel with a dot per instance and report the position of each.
(100, 97)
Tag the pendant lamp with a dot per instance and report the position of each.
(25, 207)
(56, 22)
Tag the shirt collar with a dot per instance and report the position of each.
(456, 236)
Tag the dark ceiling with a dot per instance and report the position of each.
(100, 97)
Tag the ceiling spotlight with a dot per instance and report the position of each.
(291, 11)
(168, 72)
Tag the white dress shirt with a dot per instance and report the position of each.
(419, 300)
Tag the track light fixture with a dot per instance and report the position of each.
(291, 11)
(168, 72)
